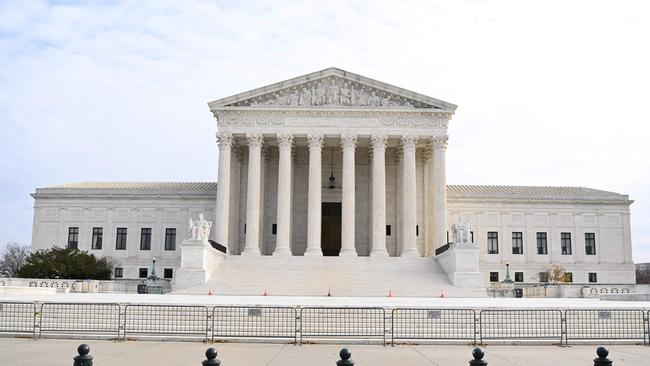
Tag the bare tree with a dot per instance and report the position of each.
(556, 274)
(12, 258)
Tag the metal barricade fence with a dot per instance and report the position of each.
(17, 318)
(181, 321)
(433, 324)
(100, 319)
(605, 324)
(343, 322)
(521, 324)
(254, 322)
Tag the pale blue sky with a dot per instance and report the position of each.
(549, 92)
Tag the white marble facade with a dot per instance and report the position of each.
(385, 146)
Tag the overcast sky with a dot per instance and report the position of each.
(549, 93)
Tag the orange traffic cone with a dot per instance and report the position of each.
(329, 293)
(209, 292)
(390, 293)
(265, 293)
(442, 293)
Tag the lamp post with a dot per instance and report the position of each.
(153, 269)
(507, 279)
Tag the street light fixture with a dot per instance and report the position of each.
(508, 279)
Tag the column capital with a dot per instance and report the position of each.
(224, 140)
(285, 140)
(255, 140)
(378, 141)
(409, 141)
(439, 142)
(315, 141)
(349, 141)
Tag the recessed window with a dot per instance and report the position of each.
(244, 228)
(98, 237)
(542, 244)
(119, 272)
(543, 276)
(590, 243)
(517, 243)
(593, 278)
(274, 229)
(170, 238)
(471, 236)
(565, 242)
(168, 273)
(388, 230)
(494, 276)
(519, 276)
(493, 242)
(143, 273)
(145, 238)
(417, 230)
(73, 237)
(568, 277)
(120, 239)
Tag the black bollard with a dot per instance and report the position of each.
(211, 358)
(345, 358)
(83, 359)
(478, 354)
(602, 359)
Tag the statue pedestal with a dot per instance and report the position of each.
(461, 263)
(198, 260)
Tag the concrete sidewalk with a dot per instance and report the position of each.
(16, 352)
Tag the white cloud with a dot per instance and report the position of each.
(549, 92)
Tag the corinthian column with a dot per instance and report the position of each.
(348, 143)
(409, 191)
(439, 192)
(253, 195)
(283, 238)
(314, 197)
(224, 140)
(378, 143)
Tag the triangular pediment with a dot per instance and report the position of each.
(331, 88)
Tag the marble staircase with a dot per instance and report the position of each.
(342, 276)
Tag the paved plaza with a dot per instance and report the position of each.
(16, 352)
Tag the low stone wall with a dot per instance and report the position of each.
(81, 286)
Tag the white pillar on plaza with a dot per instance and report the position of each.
(283, 238)
(349, 143)
(314, 197)
(224, 140)
(378, 143)
(409, 237)
(252, 246)
(439, 191)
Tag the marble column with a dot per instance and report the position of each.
(252, 246)
(440, 192)
(314, 197)
(283, 236)
(348, 207)
(378, 143)
(224, 140)
(409, 248)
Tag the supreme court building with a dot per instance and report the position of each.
(336, 164)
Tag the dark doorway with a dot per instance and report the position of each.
(330, 237)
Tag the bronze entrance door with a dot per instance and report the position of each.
(330, 238)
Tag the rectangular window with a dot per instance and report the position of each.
(98, 237)
(494, 276)
(493, 242)
(519, 276)
(592, 277)
(388, 230)
(565, 240)
(73, 237)
(119, 272)
(168, 273)
(542, 244)
(417, 230)
(517, 243)
(145, 238)
(170, 238)
(568, 277)
(543, 277)
(590, 243)
(143, 273)
(471, 236)
(274, 229)
(120, 239)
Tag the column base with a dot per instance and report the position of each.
(282, 252)
(379, 253)
(410, 253)
(251, 252)
(348, 253)
(313, 252)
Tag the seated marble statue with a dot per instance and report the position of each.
(461, 232)
(199, 229)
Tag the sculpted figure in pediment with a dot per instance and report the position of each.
(333, 94)
(373, 100)
(345, 97)
(361, 97)
(293, 98)
(318, 96)
(305, 97)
